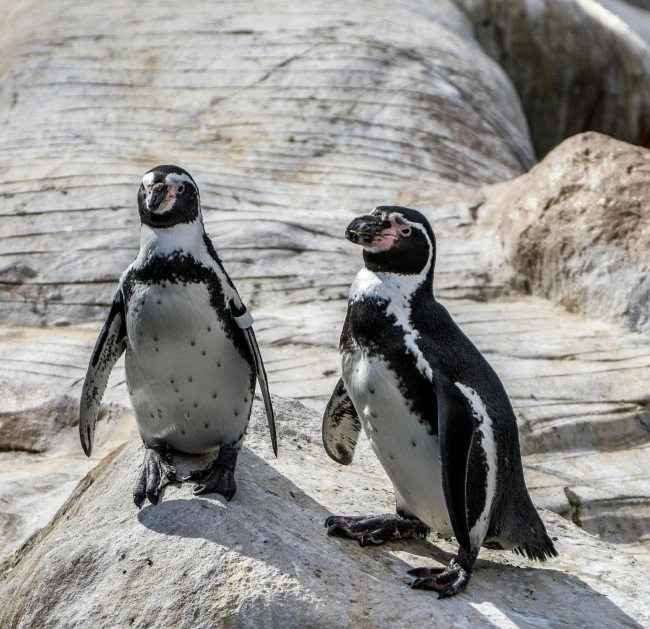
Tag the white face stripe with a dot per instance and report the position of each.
(147, 180)
(404, 221)
(178, 178)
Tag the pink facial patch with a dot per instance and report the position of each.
(173, 188)
(390, 235)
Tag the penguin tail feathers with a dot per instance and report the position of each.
(523, 527)
(539, 549)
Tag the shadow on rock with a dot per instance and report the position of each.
(271, 520)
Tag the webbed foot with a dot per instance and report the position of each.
(447, 581)
(218, 476)
(374, 529)
(157, 472)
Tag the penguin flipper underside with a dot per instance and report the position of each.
(110, 345)
(456, 425)
(341, 426)
(264, 384)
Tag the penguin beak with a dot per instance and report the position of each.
(156, 197)
(368, 230)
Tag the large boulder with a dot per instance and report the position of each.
(289, 123)
(576, 66)
(575, 229)
(264, 560)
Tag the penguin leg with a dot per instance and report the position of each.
(157, 472)
(375, 529)
(450, 580)
(218, 476)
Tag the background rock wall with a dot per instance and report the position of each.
(575, 66)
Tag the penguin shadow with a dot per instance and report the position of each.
(270, 514)
(568, 601)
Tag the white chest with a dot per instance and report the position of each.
(403, 444)
(190, 388)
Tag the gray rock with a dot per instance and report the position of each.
(575, 229)
(264, 560)
(281, 118)
(575, 65)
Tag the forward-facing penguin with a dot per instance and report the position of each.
(434, 410)
(191, 355)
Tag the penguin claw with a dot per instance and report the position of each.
(446, 581)
(157, 472)
(344, 520)
(153, 497)
(196, 476)
(372, 530)
(216, 479)
(374, 538)
(336, 530)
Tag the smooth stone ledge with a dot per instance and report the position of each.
(264, 560)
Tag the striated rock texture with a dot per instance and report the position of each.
(289, 118)
(293, 119)
(576, 67)
(264, 560)
(576, 229)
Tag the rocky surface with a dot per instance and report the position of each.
(293, 119)
(264, 560)
(575, 66)
(575, 229)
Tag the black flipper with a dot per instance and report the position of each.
(456, 425)
(109, 347)
(264, 384)
(341, 426)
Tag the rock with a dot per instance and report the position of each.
(634, 13)
(576, 66)
(41, 372)
(292, 121)
(278, 127)
(575, 229)
(264, 560)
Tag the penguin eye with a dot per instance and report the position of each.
(405, 231)
(181, 189)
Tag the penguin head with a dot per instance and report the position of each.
(168, 196)
(394, 240)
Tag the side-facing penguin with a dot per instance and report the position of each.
(191, 354)
(433, 409)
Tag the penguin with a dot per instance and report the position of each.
(434, 411)
(192, 358)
